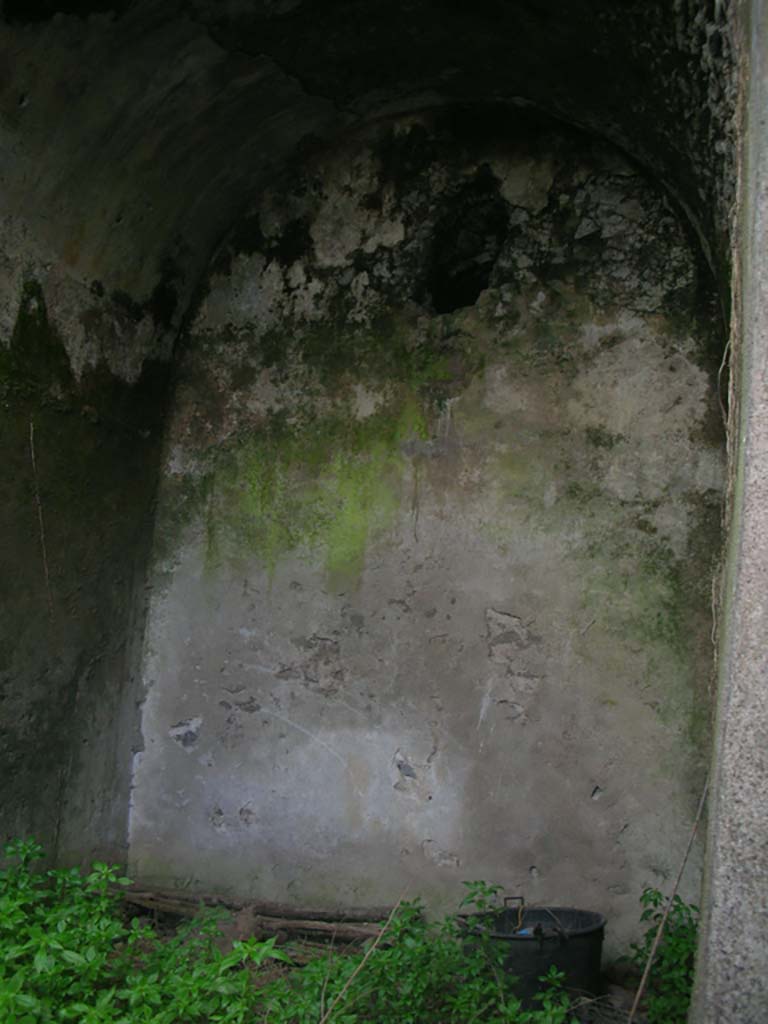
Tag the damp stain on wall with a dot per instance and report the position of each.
(440, 490)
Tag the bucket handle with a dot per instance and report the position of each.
(520, 900)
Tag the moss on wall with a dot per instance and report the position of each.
(328, 482)
(315, 473)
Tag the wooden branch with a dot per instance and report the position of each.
(668, 907)
(303, 951)
(368, 953)
(334, 930)
(350, 925)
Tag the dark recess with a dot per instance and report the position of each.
(467, 241)
(164, 299)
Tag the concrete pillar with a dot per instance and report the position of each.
(732, 976)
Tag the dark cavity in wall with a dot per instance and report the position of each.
(164, 299)
(467, 241)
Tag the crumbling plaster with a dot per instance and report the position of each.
(424, 604)
(124, 165)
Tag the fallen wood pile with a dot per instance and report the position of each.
(260, 919)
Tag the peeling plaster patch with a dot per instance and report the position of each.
(343, 225)
(440, 858)
(187, 732)
(247, 816)
(358, 290)
(506, 697)
(508, 635)
(412, 778)
(525, 183)
(322, 668)
(515, 648)
(511, 710)
(366, 402)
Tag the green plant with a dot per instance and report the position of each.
(671, 975)
(68, 953)
(422, 974)
(481, 895)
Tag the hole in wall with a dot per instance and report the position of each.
(467, 242)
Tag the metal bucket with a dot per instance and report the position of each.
(533, 939)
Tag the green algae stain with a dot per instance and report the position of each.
(632, 584)
(364, 494)
(316, 479)
(330, 484)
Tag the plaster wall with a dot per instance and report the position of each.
(132, 136)
(438, 514)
